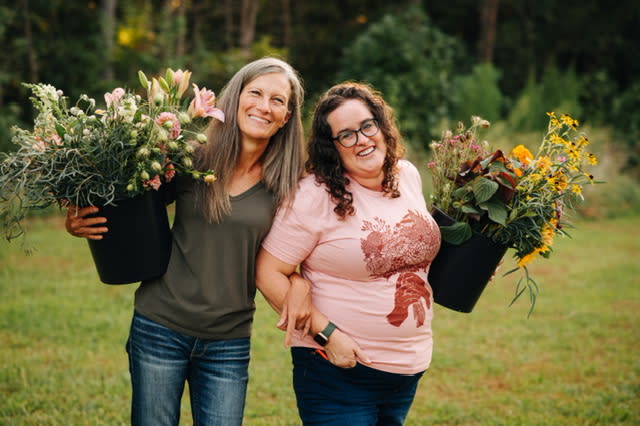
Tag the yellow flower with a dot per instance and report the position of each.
(569, 121)
(573, 154)
(554, 123)
(523, 155)
(558, 181)
(592, 159)
(555, 139)
(576, 189)
(526, 259)
(547, 236)
(543, 163)
(582, 141)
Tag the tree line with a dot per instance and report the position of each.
(434, 60)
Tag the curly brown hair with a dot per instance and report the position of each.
(324, 160)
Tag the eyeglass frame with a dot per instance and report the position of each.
(359, 130)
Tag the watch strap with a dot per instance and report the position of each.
(322, 338)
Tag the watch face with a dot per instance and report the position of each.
(320, 339)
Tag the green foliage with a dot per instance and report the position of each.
(8, 118)
(626, 121)
(412, 63)
(478, 93)
(218, 67)
(556, 91)
(597, 97)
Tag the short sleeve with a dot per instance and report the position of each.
(296, 228)
(411, 173)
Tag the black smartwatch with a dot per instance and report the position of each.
(322, 338)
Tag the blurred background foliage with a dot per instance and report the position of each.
(508, 61)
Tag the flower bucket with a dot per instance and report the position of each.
(138, 244)
(459, 273)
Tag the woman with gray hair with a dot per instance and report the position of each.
(193, 323)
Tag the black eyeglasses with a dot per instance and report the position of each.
(349, 138)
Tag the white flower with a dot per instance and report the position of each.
(127, 109)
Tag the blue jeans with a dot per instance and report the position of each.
(359, 396)
(161, 360)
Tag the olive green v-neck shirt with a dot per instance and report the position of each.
(209, 288)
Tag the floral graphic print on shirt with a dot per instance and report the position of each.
(402, 249)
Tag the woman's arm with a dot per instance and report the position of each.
(286, 291)
(289, 294)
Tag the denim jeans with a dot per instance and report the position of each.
(161, 360)
(359, 396)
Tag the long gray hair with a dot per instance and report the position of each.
(282, 161)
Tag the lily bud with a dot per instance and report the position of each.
(144, 175)
(158, 99)
(156, 166)
(164, 85)
(162, 135)
(184, 118)
(168, 75)
(187, 162)
(202, 138)
(144, 82)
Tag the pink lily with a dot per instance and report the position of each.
(114, 97)
(203, 104)
(181, 80)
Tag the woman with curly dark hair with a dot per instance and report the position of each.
(360, 230)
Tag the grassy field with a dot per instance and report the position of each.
(575, 361)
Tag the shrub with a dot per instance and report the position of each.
(8, 118)
(412, 63)
(556, 91)
(627, 122)
(479, 94)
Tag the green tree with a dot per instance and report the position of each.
(413, 63)
(479, 94)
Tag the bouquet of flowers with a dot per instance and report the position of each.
(517, 199)
(83, 155)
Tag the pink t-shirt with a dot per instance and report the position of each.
(369, 271)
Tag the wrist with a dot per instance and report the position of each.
(297, 279)
(322, 337)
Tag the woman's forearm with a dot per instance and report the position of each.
(272, 279)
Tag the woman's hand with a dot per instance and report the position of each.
(79, 225)
(343, 351)
(296, 309)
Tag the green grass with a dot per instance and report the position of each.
(574, 361)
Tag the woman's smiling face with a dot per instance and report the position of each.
(364, 160)
(263, 107)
